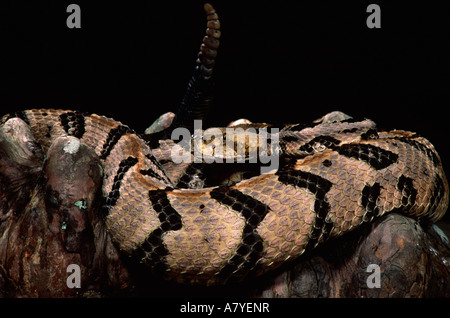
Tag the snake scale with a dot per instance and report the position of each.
(334, 174)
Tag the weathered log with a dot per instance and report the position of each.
(57, 222)
(393, 257)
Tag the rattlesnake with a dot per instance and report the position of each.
(334, 174)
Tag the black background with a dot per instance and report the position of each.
(279, 61)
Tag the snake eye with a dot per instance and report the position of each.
(319, 147)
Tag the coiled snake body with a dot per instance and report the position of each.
(334, 174)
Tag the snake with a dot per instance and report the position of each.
(202, 223)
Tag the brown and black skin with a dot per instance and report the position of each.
(199, 94)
